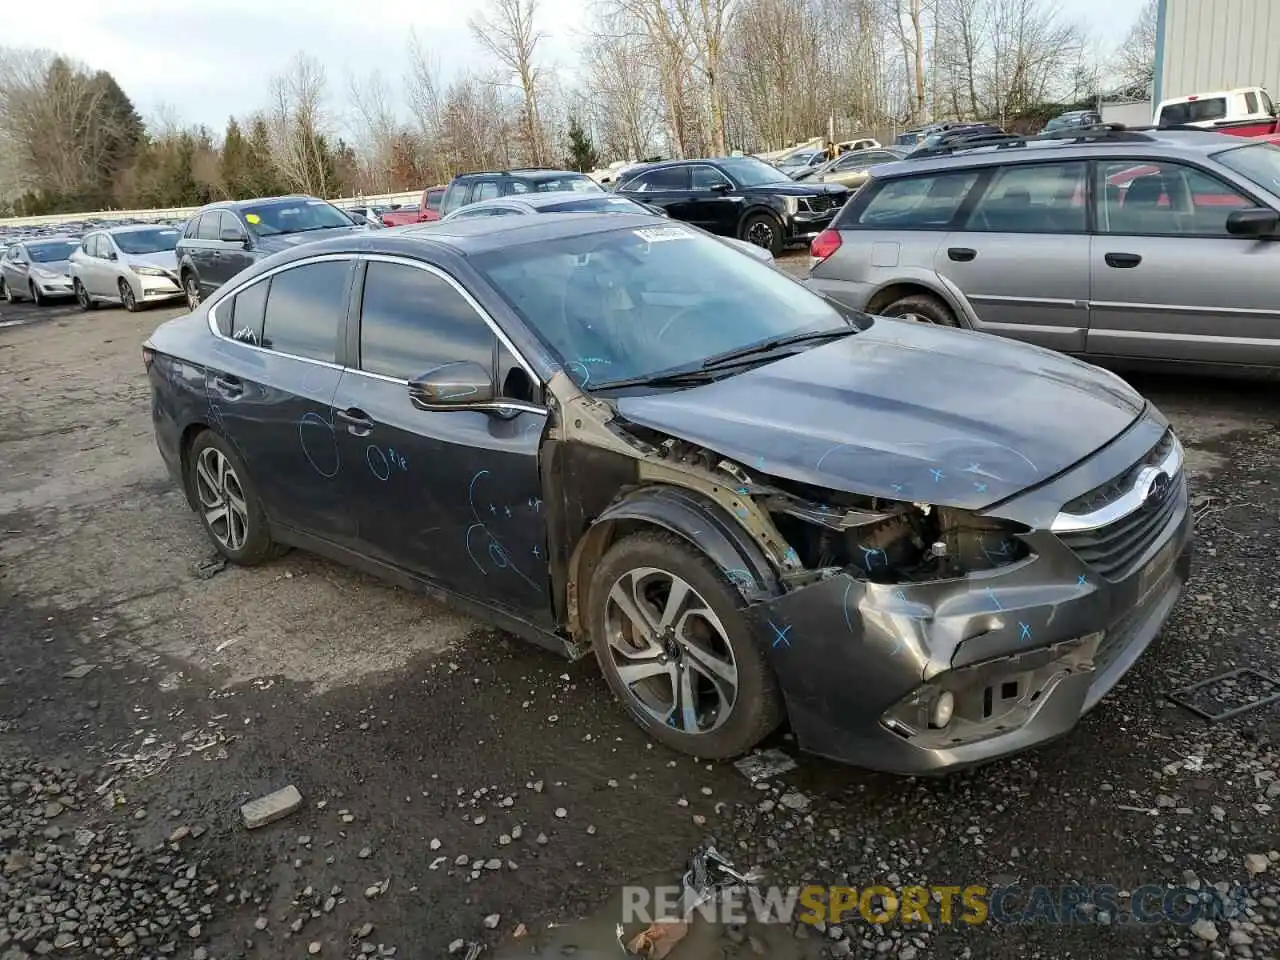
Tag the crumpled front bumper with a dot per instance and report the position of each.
(847, 651)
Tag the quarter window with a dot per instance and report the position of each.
(246, 314)
(412, 321)
(305, 307)
(1033, 198)
(1164, 199)
(918, 203)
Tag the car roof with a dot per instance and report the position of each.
(1119, 144)
(136, 227)
(536, 201)
(524, 173)
(254, 202)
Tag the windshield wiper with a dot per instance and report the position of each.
(675, 378)
(730, 357)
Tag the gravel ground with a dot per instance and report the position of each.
(458, 783)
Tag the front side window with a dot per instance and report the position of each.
(89, 245)
(658, 181)
(412, 321)
(455, 196)
(293, 216)
(1033, 198)
(926, 202)
(209, 225)
(1164, 199)
(152, 240)
(305, 308)
(706, 178)
(230, 222)
(631, 302)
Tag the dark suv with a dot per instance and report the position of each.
(468, 188)
(222, 239)
(741, 197)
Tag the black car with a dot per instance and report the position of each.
(741, 197)
(222, 239)
(480, 185)
(613, 434)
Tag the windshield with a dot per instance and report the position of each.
(604, 203)
(147, 241)
(294, 216)
(1260, 162)
(751, 171)
(1193, 111)
(50, 251)
(639, 301)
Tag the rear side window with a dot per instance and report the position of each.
(1193, 111)
(412, 321)
(243, 321)
(1033, 198)
(926, 202)
(305, 307)
(485, 191)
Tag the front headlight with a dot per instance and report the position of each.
(792, 204)
(44, 274)
(149, 272)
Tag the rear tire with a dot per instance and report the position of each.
(732, 696)
(126, 296)
(228, 503)
(764, 231)
(922, 308)
(85, 301)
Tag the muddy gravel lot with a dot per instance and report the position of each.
(460, 787)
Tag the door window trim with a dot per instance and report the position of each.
(499, 334)
(1095, 182)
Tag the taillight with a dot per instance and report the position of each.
(825, 244)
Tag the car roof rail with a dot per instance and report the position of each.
(1098, 133)
(965, 143)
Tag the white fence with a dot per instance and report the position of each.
(178, 213)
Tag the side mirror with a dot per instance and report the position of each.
(1256, 222)
(112, 255)
(232, 236)
(452, 386)
(721, 187)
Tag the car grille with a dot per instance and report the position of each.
(1115, 488)
(824, 202)
(1113, 549)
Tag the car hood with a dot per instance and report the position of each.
(794, 188)
(287, 241)
(53, 266)
(164, 259)
(904, 411)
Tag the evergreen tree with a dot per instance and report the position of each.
(582, 152)
(262, 175)
(233, 164)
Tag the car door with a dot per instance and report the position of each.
(665, 187)
(451, 495)
(106, 267)
(1021, 258)
(235, 255)
(1169, 281)
(82, 261)
(204, 251)
(712, 203)
(16, 265)
(271, 390)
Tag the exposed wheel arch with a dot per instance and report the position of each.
(896, 291)
(688, 515)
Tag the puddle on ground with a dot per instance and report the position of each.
(594, 938)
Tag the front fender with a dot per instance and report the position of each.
(688, 515)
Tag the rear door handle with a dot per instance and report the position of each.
(359, 423)
(1122, 260)
(228, 385)
(961, 254)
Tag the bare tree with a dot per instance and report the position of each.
(1135, 57)
(298, 124)
(508, 32)
(705, 22)
(375, 127)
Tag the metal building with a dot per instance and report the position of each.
(1206, 45)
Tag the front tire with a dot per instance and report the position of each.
(126, 296)
(922, 308)
(37, 297)
(764, 231)
(85, 301)
(191, 286)
(671, 639)
(227, 502)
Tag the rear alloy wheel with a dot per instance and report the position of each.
(764, 231)
(671, 639)
(82, 296)
(191, 285)
(36, 296)
(228, 504)
(126, 296)
(922, 308)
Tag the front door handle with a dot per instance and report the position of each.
(359, 423)
(1122, 260)
(961, 254)
(228, 385)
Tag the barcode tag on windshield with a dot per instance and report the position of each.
(658, 234)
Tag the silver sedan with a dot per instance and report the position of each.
(37, 269)
(131, 265)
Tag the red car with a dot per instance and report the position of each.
(401, 216)
(429, 208)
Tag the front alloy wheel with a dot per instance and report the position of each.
(192, 287)
(126, 296)
(82, 296)
(222, 499)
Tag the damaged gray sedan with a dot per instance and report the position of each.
(923, 548)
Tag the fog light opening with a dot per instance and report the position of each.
(943, 709)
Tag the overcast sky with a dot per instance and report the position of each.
(209, 59)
